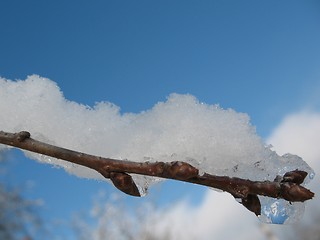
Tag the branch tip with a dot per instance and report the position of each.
(295, 193)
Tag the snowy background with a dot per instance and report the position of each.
(261, 59)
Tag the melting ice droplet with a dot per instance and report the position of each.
(275, 212)
(279, 211)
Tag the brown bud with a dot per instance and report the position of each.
(182, 171)
(295, 193)
(252, 203)
(295, 176)
(124, 183)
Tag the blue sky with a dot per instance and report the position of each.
(261, 58)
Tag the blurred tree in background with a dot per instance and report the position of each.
(18, 216)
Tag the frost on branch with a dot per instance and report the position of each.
(181, 137)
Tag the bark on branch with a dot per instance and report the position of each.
(286, 187)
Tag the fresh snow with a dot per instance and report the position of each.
(215, 140)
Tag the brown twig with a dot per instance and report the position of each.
(286, 187)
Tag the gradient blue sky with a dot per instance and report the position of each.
(258, 57)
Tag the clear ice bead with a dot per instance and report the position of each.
(280, 211)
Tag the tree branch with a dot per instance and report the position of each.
(286, 187)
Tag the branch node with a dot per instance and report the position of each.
(240, 191)
(182, 171)
(21, 136)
